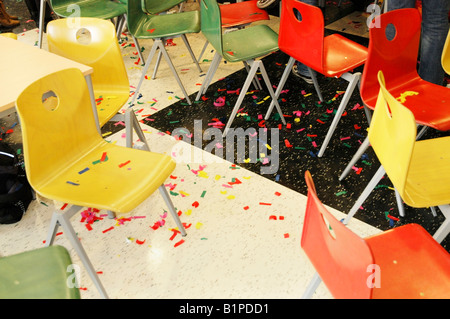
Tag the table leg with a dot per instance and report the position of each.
(41, 22)
(92, 96)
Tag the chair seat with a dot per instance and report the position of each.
(109, 104)
(428, 182)
(241, 13)
(94, 9)
(37, 274)
(430, 96)
(169, 25)
(97, 187)
(246, 43)
(426, 275)
(341, 55)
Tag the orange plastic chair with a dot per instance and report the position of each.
(402, 263)
(93, 42)
(66, 160)
(238, 15)
(419, 170)
(397, 58)
(333, 56)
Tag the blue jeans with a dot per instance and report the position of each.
(434, 32)
(303, 69)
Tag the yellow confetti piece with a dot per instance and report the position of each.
(198, 225)
(246, 177)
(203, 174)
(231, 197)
(188, 212)
(247, 160)
(404, 95)
(268, 147)
(217, 177)
(223, 192)
(262, 155)
(184, 193)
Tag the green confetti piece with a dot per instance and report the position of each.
(203, 194)
(341, 193)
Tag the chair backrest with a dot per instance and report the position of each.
(57, 124)
(211, 23)
(340, 257)
(445, 59)
(92, 42)
(392, 134)
(9, 35)
(301, 37)
(396, 57)
(158, 6)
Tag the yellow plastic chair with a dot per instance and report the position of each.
(42, 273)
(102, 9)
(92, 42)
(9, 35)
(445, 58)
(419, 170)
(66, 160)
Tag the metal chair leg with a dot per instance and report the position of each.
(63, 219)
(444, 229)
(209, 75)
(366, 192)
(166, 197)
(284, 77)
(353, 80)
(312, 286)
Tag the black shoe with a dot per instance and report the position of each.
(307, 79)
(266, 4)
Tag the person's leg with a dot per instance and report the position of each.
(394, 5)
(434, 33)
(299, 69)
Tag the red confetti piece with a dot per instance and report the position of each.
(106, 230)
(268, 204)
(151, 30)
(277, 193)
(286, 235)
(123, 164)
(139, 242)
(88, 226)
(195, 204)
(178, 243)
(286, 142)
(272, 217)
(103, 157)
(175, 233)
(246, 207)
(64, 206)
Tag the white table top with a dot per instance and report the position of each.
(21, 64)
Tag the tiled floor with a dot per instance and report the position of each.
(243, 239)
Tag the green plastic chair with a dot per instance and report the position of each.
(43, 273)
(155, 7)
(159, 28)
(243, 45)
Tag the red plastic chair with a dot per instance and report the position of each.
(397, 59)
(238, 15)
(402, 263)
(333, 56)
